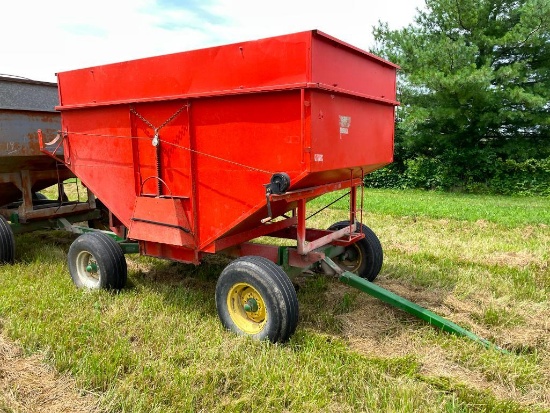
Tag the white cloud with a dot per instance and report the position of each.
(40, 38)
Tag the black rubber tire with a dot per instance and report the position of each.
(38, 196)
(273, 287)
(371, 255)
(96, 248)
(7, 242)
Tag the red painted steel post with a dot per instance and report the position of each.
(301, 235)
(352, 204)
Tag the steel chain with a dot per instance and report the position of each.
(156, 139)
(171, 118)
(166, 122)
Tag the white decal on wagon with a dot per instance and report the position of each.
(345, 122)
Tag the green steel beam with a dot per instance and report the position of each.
(396, 301)
(49, 223)
(129, 247)
(82, 230)
(66, 224)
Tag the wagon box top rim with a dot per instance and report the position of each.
(314, 32)
(274, 63)
(356, 49)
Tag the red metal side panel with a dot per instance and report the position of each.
(341, 66)
(173, 150)
(265, 64)
(110, 149)
(347, 132)
(240, 141)
(98, 150)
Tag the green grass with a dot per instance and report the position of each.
(157, 346)
(508, 211)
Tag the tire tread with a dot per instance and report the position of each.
(373, 247)
(7, 242)
(280, 291)
(113, 265)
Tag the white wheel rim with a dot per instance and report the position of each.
(89, 279)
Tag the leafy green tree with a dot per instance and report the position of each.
(474, 84)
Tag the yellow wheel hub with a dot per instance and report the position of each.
(246, 308)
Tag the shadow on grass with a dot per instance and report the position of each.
(188, 287)
(39, 245)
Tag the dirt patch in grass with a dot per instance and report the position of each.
(513, 259)
(28, 385)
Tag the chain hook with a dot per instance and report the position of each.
(156, 139)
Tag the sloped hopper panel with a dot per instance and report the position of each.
(161, 220)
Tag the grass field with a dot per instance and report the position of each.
(157, 346)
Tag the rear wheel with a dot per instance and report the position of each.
(255, 297)
(7, 242)
(365, 257)
(39, 196)
(97, 261)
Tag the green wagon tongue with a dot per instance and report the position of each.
(393, 299)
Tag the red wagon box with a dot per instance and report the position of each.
(198, 152)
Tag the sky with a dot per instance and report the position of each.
(40, 38)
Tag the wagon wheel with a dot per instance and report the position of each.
(7, 242)
(97, 261)
(255, 297)
(39, 196)
(363, 258)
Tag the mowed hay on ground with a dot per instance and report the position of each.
(28, 385)
(491, 279)
(157, 346)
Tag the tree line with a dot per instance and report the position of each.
(474, 87)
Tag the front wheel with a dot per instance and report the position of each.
(39, 196)
(363, 258)
(7, 242)
(97, 261)
(255, 298)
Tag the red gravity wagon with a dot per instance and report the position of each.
(200, 152)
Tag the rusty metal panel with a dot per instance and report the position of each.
(19, 146)
(25, 107)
